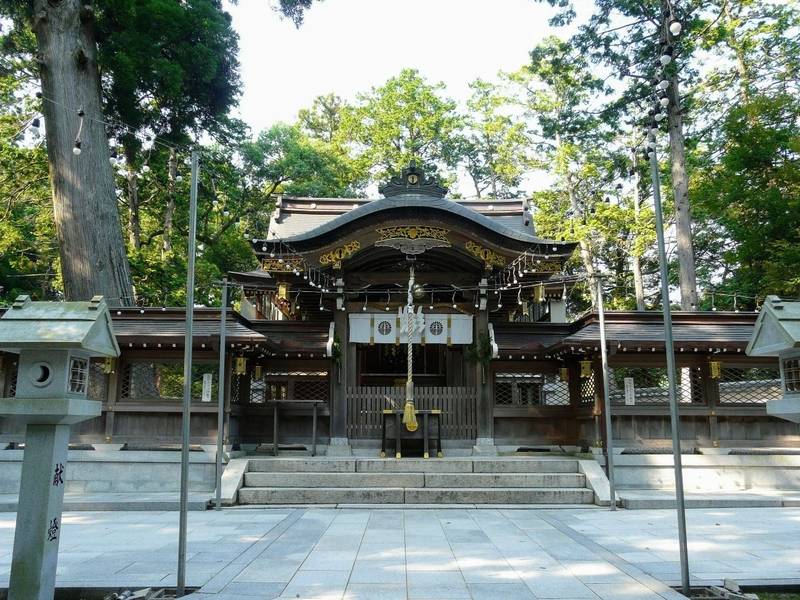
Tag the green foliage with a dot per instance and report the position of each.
(753, 193)
(28, 249)
(169, 68)
(494, 145)
(283, 159)
(405, 119)
(569, 115)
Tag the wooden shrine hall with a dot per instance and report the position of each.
(325, 319)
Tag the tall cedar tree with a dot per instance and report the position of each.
(93, 259)
(628, 37)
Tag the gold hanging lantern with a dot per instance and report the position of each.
(716, 369)
(109, 365)
(538, 293)
(563, 374)
(240, 365)
(283, 290)
(257, 372)
(586, 369)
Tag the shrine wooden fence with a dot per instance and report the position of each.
(365, 403)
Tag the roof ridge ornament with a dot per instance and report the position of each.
(413, 180)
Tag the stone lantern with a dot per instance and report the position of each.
(55, 342)
(777, 333)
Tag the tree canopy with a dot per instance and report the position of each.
(565, 129)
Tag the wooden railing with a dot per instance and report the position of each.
(364, 406)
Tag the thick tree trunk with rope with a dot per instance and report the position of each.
(93, 259)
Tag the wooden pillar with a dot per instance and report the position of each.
(711, 392)
(111, 401)
(226, 424)
(485, 379)
(339, 380)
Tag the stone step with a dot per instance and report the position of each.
(526, 465)
(414, 465)
(285, 495)
(504, 480)
(311, 495)
(302, 465)
(499, 496)
(335, 480)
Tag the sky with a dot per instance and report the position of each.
(349, 46)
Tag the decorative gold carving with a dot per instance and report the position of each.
(546, 266)
(289, 265)
(489, 257)
(335, 256)
(413, 232)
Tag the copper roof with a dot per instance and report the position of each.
(706, 331)
(702, 330)
(294, 216)
(292, 337)
(168, 325)
(527, 338)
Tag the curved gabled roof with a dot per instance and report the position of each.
(416, 201)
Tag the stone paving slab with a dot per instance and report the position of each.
(314, 553)
(119, 501)
(753, 498)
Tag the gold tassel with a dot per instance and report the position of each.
(410, 417)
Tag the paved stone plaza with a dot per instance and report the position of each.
(384, 554)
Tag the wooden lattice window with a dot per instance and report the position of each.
(587, 389)
(78, 375)
(791, 374)
(163, 381)
(651, 385)
(236, 388)
(290, 385)
(98, 381)
(12, 380)
(749, 385)
(530, 389)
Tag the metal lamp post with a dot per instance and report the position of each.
(606, 395)
(187, 381)
(669, 350)
(223, 315)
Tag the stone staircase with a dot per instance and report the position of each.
(540, 480)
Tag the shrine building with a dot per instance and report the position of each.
(324, 319)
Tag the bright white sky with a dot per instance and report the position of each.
(348, 46)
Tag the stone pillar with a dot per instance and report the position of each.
(340, 444)
(41, 497)
(41, 494)
(484, 444)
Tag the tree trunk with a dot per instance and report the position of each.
(134, 223)
(680, 186)
(93, 259)
(169, 212)
(586, 252)
(638, 283)
(687, 275)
